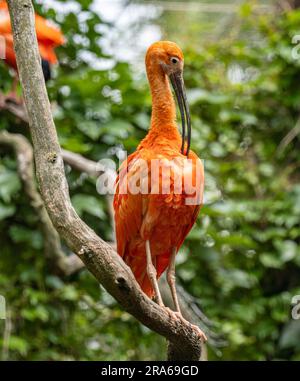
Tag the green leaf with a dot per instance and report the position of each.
(88, 204)
(9, 185)
(6, 210)
(288, 249)
(21, 234)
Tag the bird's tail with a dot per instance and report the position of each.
(48, 53)
(47, 32)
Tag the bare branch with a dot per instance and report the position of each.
(82, 164)
(100, 259)
(289, 137)
(15, 109)
(75, 160)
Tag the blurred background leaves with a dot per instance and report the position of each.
(242, 259)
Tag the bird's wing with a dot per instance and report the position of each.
(188, 227)
(196, 177)
(128, 206)
(47, 53)
(10, 56)
(3, 4)
(5, 26)
(47, 32)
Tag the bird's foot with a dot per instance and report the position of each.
(2, 101)
(13, 97)
(178, 316)
(9, 98)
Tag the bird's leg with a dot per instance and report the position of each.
(172, 280)
(151, 272)
(172, 284)
(2, 101)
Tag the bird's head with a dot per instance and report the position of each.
(167, 57)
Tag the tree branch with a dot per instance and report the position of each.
(75, 160)
(100, 259)
(14, 108)
(82, 164)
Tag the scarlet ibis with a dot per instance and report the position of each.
(48, 36)
(151, 226)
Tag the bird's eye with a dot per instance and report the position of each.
(174, 60)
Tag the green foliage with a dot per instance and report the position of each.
(247, 242)
(242, 257)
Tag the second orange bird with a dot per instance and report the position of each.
(48, 36)
(151, 224)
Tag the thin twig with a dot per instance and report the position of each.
(289, 137)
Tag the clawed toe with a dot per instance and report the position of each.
(10, 98)
(175, 315)
(199, 332)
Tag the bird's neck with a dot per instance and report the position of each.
(163, 118)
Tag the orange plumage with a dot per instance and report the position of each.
(163, 219)
(49, 37)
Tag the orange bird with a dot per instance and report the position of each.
(48, 36)
(152, 223)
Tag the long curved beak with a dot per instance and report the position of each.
(179, 89)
